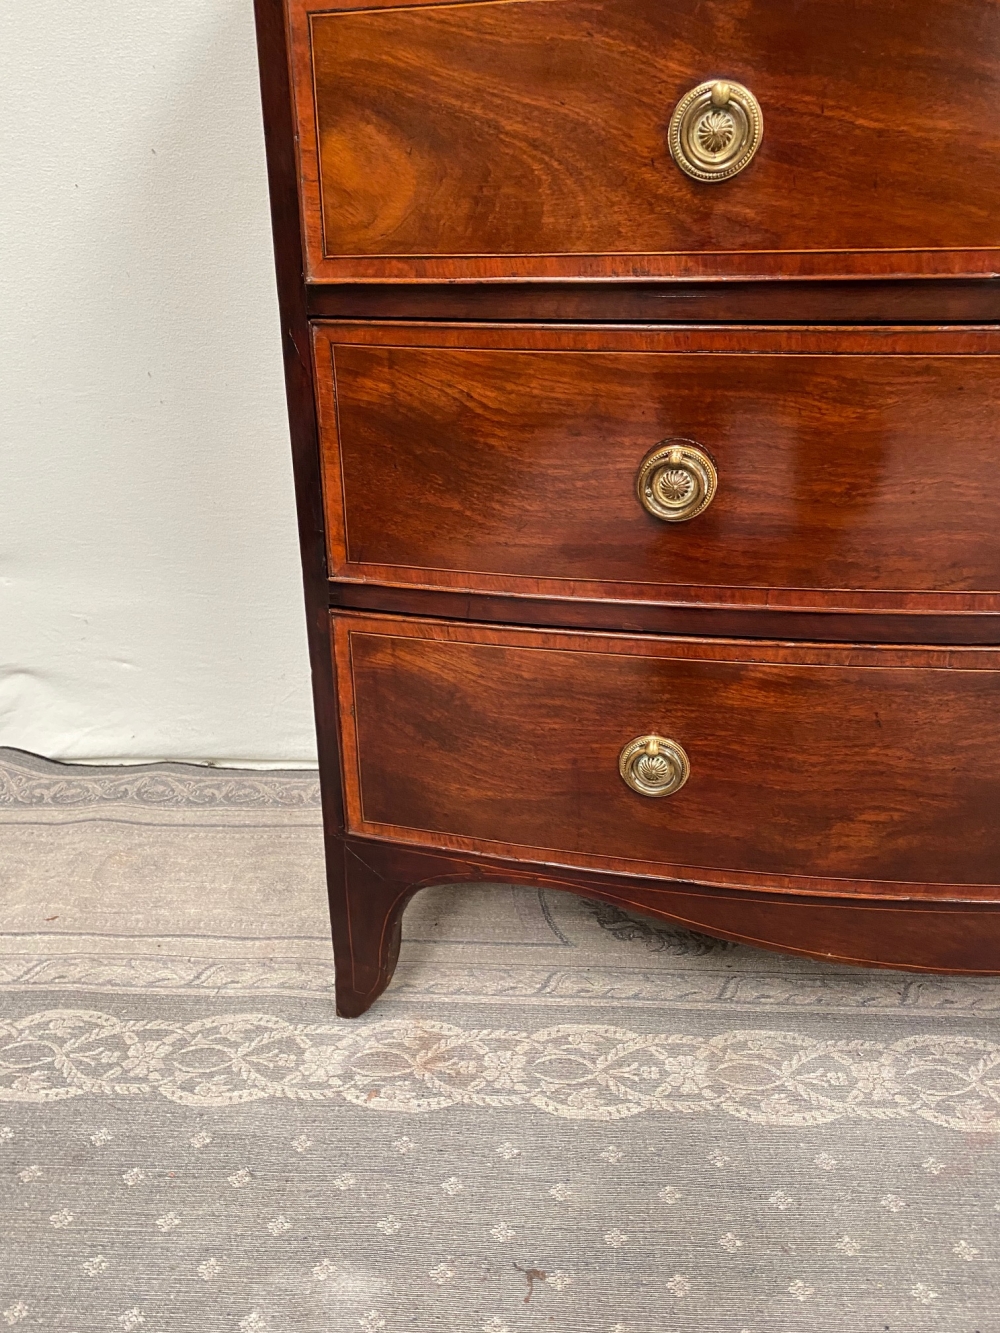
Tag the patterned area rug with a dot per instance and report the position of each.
(558, 1117)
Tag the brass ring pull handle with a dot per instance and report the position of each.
(654, 766)
(715, 130)
(677, 481)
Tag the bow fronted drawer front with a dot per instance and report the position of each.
(754, 764)
(844, 470)
(644, 138)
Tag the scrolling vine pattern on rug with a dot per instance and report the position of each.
(577, 1071)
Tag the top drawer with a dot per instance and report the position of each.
(529, 138)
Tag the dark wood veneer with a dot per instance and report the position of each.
(503, 461)
(529, 139)
(814, 769)
(897, 301)
(690, 618)
(286, 223)
(883, 849)
(372, 882)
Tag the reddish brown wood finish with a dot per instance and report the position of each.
(967, 339)
(367, 907)
(899, 627)
(813, 769)
(857, 469)
(528, 138)
(896, 198)
(868, 301)
(918, 936)
(286, 223)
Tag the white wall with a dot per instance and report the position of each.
(150, 601)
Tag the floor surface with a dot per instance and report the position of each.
(558, 1117)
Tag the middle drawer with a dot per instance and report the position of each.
(831, 468)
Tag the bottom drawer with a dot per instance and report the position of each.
(808, 766)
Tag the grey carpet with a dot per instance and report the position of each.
(558, 1117)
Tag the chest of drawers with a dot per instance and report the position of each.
(643, 366)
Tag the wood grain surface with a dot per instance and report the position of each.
(528, 138)
(863, 301)
(765, 620)
(813, 769)
(379, 879)
(856, 469)
(294, 347)
(433, 164)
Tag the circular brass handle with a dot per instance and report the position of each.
(677, 480)
(715, 130)
(654, 766)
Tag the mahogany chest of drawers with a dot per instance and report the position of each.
(643, 366)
